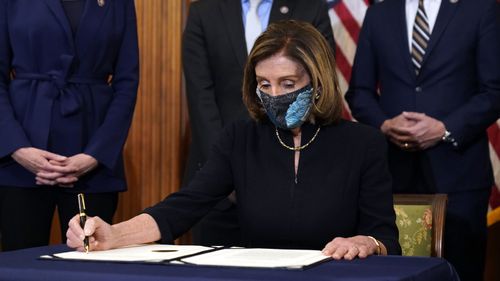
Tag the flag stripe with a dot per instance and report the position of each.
(352, 27)
(494, 136)
(343, 66)
(357, 9)
(343, 39)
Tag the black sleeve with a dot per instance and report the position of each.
(376, 210)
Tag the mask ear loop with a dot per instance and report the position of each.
(257, 91)
(259, 95)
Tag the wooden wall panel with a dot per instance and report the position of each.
(156, 147)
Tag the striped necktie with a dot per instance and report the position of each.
(420, 37)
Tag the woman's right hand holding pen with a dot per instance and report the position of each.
(101, 234)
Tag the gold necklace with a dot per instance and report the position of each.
(297, 148)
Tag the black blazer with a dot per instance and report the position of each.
(459, 84)
(214, 55)
(342, 188)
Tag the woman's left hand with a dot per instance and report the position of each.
(78, 164)
(349, 248)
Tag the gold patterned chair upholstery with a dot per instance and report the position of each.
(420, 220)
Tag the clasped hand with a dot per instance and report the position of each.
(54, 169)
(413, 131)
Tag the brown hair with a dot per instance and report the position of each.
(301, 42)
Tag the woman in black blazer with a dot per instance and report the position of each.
(303, 177)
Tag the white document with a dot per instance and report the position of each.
(255, 257)
(200, 255)
(138, 253)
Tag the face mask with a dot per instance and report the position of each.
(290, 110)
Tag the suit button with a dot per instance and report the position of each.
(418, 89)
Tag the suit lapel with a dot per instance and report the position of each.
(400, 11)
(446, 12)
(91, 21)
(278, 10)
(231, 14)
(57, 9)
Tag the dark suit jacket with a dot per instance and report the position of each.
(348, 196)
(214, 55)
(459, 84)
(59, 99)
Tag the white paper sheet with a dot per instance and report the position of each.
(178, 254)
(255, 257)
(139, 253)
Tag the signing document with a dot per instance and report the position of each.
(137, 253)
(200, 255)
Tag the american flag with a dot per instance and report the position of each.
(346, 17)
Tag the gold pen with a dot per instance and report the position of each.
(83, 219)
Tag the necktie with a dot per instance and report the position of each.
(420, 37)
(253, 28)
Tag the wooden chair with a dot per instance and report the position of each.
(420, 219)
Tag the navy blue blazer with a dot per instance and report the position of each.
(459, 84)
(55, 89)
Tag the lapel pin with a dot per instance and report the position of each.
(284, 10)
(453, 1)
(100, 3)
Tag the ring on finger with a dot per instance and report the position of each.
(406, 145)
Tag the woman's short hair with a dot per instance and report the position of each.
(302, 43)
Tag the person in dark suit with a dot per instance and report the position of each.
(428, 76)
(64, 121)
(214, 54)
(287, 196)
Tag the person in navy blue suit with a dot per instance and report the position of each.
(69, 74)
(436, 117)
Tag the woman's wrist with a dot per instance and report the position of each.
(378, 249)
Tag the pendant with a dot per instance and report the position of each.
(100, 3)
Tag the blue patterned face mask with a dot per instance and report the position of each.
(290, 110)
